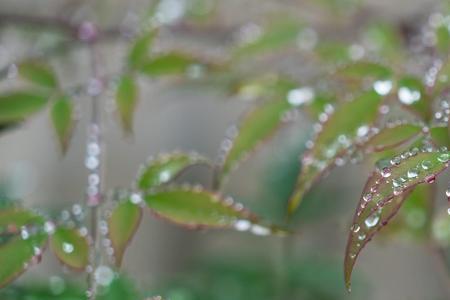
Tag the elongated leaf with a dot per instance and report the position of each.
(256, 127)
(126, 99)
(70, 247)
(392, 136)
(63, 121)
(443, 39)
(442, 83)
(22, 240)
(122, 225)
(16, 106)
(167, 64)
(140, 49)
(351, 121)
(385, 192)
(198, 208)
(278, 35)
(38, 73)
(165, 168)
(363, 69)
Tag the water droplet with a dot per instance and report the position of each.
(386, 172)
(67, 247)
(426, 164)
(430, 179)
(447, 193)
(259, 230)
(372, 220)
(104, 275)
(300, 96)
(362, 131)
(49, 227)
(382, 87)
(24, 233)
(91, 162)
(136, 198)
(242, 225)
(408, 96)
(164, 176)
(361, 237)
(367, 197)
(413, 173)
(356, 228)
(444, 157)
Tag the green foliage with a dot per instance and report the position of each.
(19, 105)
(70, 247)
(126, 100)
(39, 74)
(63, 121)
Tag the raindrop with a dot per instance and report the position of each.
(67, 247)
(362, 236)
(408, 96)
(356, 228)
(104, 275)
(382, 87)
(372, 220)
(426, 164)
(447, 193)
(300, 96)
(386, 172)
(259, 230)
(136, 198)
(49, 227)
(413, 173)
(164, 176)
(444, 157)
(24, 233)
(242, 225)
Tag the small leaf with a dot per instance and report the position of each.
(140, 49)
(257, 126)
(167, 64)
(63, 121)
(122, 225)
(392, 136)
(350, 122)
(278, 35)
(21, 242)
(16, 106)
(126, 99)
(71, 248)
(385, 192)
(165, 168)
(198, 208)
(38, 73)
(411, 94)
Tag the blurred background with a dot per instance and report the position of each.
(194, 114)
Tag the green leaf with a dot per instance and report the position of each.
(442, 83)
(198, 208)
(167, 64)
(443, 39)
(16, 106)
(358, 71)
(38, 73)
(63, 121)
(21, 242)
(126, 100)
(412, 95)
(350, 122)
(140, 49)
(257, 126)
(165, 167)
(392, 136)
(278, 35)
(122, 225)
(384, 194)
(440, 136)
(70, 247)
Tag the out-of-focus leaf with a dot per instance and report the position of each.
(278, 35)
(333, 52)
(167, 64)
(257, 126)
(122, 225)
(384, 194)
(411, 94)
(70, 247)
(442, 83)
(166, 167)
(16, 106)
(384, 40)
(443, 39)
(198, 208)
(140, 49)
(413, 220)
(22, 239)
(361, 70)
(440, 136)
(38, 73)
(63, 121)
(342, 129)
(441, 229)
(126, 99)
(121, 288)
(392, 136)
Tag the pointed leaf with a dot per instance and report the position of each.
(16, 106)
(165, 167)
(126, 99)
(21, 242)
(385, 192)
(70, 247)
(167, 64)
(257, 126)
(122, 225)
(392, 136)
(38, 73)
(198, 208)
(63, 121)
(140, 49)
(350, 122)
